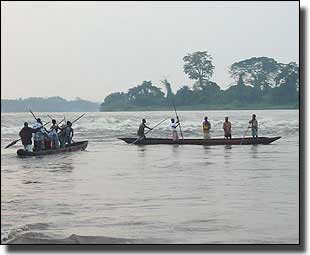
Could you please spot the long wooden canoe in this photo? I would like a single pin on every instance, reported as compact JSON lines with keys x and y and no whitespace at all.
{"x":78,"y":146}
{"x":213,"y":141}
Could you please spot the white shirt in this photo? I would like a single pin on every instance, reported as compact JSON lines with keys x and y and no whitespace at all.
{"x":173,"y":126}
{"x":38,"y":135}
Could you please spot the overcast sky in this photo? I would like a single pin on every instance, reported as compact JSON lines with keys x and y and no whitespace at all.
{"x":91,"y":49}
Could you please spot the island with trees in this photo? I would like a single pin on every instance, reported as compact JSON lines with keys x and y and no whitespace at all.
{"x":259,"y":83}
{"x":50,"y":104}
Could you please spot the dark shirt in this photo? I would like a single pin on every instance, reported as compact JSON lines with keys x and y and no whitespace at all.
{"x":69,"y":131}
{"x":26,"y":135}
{"x":141,"y":129}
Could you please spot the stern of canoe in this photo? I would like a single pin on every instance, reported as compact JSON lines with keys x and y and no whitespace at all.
{"x":72,"y":147}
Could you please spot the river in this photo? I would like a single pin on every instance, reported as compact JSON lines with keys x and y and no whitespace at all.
{"x":156,"y":193}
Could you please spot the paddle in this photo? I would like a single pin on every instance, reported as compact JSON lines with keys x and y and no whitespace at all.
{"x":168,"y":88}
{"x":178,"y":119}
{"x":37,"y":119}
{"x":74,"y":121}
{"x":15,"y":141}
{"x":52,"y":119}
{"x":244,"y":135}
{"x":78,"y":118}
{"x":140,"y":138}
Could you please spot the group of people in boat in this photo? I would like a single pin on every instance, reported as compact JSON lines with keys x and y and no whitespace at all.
{"x":57,"y":137}
{"x":206,"y":127}
{"x":45,"y":139}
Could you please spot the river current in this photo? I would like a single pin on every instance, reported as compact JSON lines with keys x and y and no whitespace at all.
{"x":155,"y":193}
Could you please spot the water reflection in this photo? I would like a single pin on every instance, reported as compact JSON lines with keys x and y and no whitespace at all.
{"x":206,"y":147}
{"x":175,"y":149}
{"x":254,"y":150}
{"x":227,"y":154}
{"x":227,"y":147}
{"x":64,"y":167}
{"x":60,"y":164}
{"x":141,"y":150}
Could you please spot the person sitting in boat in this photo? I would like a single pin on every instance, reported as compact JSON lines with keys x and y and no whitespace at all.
{"x":26,"y":136}
{"x":254,"y":126}
{"x":174,"y":131}
{"x":68,"y":133}
{"x":53,"y":136}
{"x":206,"y":126}
{"x":39,"y":136}
{"x":227,"y":128}
{"x":141,"y":129}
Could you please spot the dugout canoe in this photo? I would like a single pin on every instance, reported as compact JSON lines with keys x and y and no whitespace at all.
{"x":213,"y":141}
{"x":78,"y":146}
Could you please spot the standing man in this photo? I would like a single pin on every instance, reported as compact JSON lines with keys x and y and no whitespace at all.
{"x":174,"y":131}
{"x":68,"y":132}
{"x":39,"y":135}
{"x":142,"y":126}
{"x":254,"y":126}
{"x":206,"y":126}
{"x":62,"y":135}
{"x":53,"y":135}
{"x":26,"y":136}
{"x":227,"y":128}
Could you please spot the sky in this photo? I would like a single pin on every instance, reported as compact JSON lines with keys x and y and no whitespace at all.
{"x":91,"y":49}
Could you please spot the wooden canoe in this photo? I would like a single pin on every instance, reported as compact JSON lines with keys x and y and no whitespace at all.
{"x":78,"y":146}
{"x":213,"y":141}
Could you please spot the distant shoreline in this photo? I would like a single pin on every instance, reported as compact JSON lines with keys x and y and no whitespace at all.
{"x":204,"y":108}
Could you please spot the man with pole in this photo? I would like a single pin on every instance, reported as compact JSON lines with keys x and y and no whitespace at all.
{"x":174,"y":125}
{"x":39,"y":135}
{"x":141,"y":129}
{"x":150,"y":129}
{"x":26,"y":136}
{"x":170,"y":95}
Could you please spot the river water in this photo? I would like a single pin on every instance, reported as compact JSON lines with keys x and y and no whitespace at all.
{"x":155,"y":193}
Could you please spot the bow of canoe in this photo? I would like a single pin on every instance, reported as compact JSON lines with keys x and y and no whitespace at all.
{"x":213,"y":141}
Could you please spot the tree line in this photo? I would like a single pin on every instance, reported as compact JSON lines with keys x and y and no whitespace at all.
{"x":257,"y":81}
{"x":51,"y":104}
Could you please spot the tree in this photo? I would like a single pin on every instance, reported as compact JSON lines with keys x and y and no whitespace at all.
{"x":184,"y":96}
{"x":289,"y":76}
{"x":169,"y":92}
{"x":241,"y":95}
{"x":287,"y":85}
{"x":145,"y":94}
{"x":206,"y":93}
{"x":257,"y":72}
{"x":198,"y":66}
{"x":116,"y":98}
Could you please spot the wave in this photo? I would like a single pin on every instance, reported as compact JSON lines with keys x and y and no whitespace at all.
{"x":38,"y":238}
{"x":10,"y":234}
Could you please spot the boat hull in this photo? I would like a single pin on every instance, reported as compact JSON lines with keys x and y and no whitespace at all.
{"x":214,"y":141}
{"x":78,"y":146}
